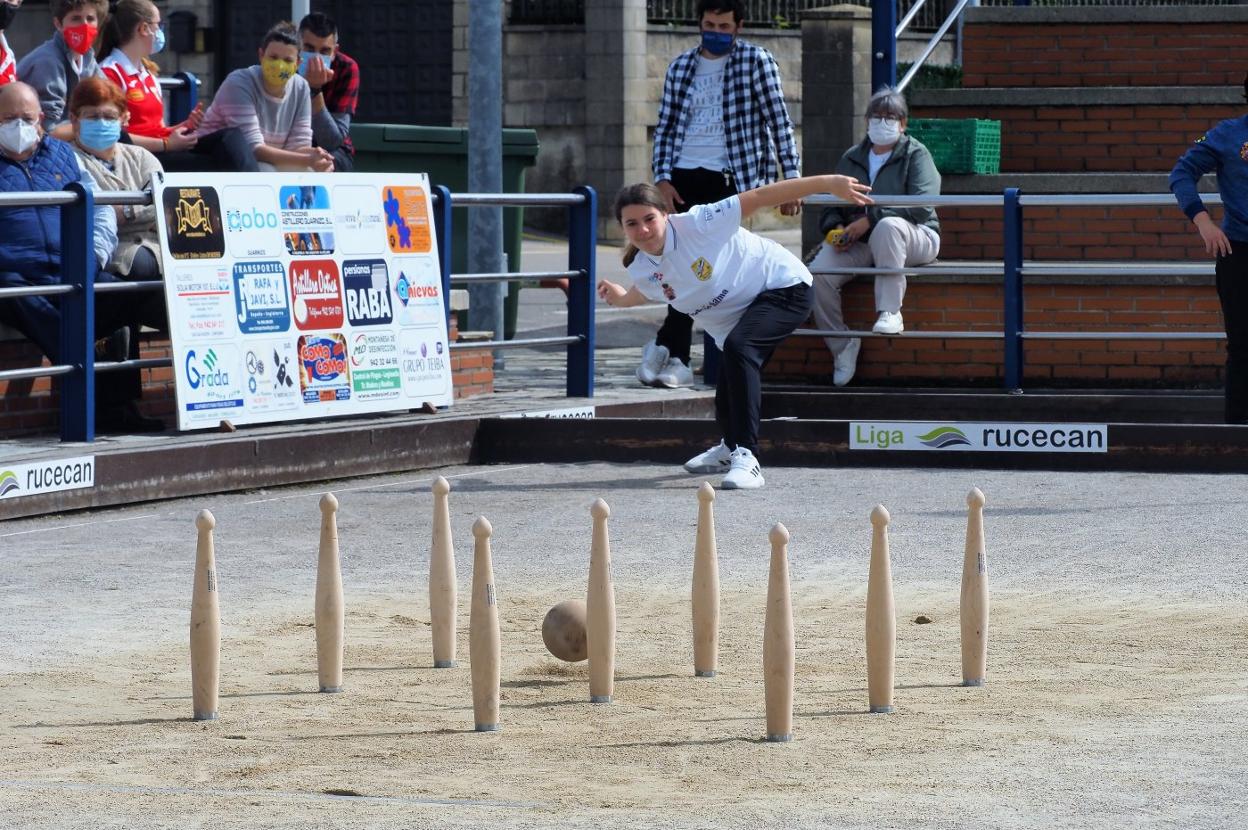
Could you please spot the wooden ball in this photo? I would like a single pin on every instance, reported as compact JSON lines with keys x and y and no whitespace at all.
{"x":563,"y":631}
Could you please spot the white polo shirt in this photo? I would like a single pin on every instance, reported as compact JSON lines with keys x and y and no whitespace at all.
{"x":712,"y":268}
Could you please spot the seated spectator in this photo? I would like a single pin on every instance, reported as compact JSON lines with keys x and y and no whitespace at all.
{"x":131,"y":36}
{"x":56,"y":66}
{"x":97,"y":112}
{"x":894,"y":164}
{"x":334,"y":81}
{"x":271,"y":106}
{"x":32,"y":162}
{"x":8,"y":63}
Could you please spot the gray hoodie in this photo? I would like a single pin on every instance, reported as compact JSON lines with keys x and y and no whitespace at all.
{"x":49,"y":68}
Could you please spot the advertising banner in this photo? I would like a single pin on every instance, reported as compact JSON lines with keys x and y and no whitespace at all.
{"x":977,"y":437}
{"x":301,"y":295}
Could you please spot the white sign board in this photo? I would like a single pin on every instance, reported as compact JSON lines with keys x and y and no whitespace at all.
{"x":978,"y":437}
{"x":39,"y":477}
{"x":301,"y":295}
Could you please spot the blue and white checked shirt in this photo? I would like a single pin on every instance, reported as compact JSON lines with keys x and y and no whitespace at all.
{"x":755,"y":117}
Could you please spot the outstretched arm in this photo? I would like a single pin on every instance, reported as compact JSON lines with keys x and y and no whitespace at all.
{"x":791,"y":190}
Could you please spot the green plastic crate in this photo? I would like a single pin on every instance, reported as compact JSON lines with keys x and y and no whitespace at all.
{"x":960,"y":145}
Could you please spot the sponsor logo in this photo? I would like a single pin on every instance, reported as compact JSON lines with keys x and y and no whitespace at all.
{"x":323,"y":372}
{"x":719,"y":298}
{"x":206,"y":372}
{"x":19,"y":480}
{"x":408,"y":229}
{"x":979,"y":437}
{"x":701,"y":269}
{"x":307,"y":223}
{"x":570,"y":412}
{"x":238,"y":220}
{"x":367,"y":286}
{"x":193,"y":218}
{"x":943,"y":437}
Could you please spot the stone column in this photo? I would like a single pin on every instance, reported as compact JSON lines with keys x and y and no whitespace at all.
{"x":836,"y":85}
{"x":617,"y":150}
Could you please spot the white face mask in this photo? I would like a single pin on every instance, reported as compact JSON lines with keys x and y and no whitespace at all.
{"x":17,"y":137}
{"x":883,"y":131}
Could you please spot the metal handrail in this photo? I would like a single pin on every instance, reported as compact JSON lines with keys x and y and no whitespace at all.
{"x":1038,"y":200}
{"x":517,"y":199}
{"x":910,"y":15}
{"x":38,"y":372}
{"x":506,"y":276}
{"x":931,"y":44}
{"x":532,"y":342}
{"x":36,"y":290}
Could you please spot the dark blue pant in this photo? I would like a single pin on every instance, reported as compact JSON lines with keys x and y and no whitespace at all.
{"x":1232,"y":276}
{"x":766,"y":323}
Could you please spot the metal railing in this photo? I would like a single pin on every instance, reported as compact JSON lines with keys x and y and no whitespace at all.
{"x":885,"y":29}
{"x":1013,"y":269}
{"x":78,"y":290}
{"x":181,"y":93}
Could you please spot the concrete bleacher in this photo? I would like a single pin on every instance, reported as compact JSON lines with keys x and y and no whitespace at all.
{"x":1091,"y":100}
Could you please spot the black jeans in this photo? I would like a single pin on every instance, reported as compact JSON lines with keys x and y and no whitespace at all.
{"x":697,"y":187}
{"x":1232,"y":276}
{"x":225,"y":151}
{"x":739,"y":396}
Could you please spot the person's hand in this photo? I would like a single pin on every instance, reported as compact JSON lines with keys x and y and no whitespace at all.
{"x":1216,"y":243}
{"x":670,"y":195}
{"x":180,"y":139}
{"x":791,"y":208}
{"x":318,"y":76}
{"x":850,"y":189}
{"x":192,"y":122}
{"x":854,"y":231}
{"x":610,"y":292}
{"x":319,"y":160}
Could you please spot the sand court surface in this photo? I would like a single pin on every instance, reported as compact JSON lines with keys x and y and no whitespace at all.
{"x":1117,"y":677}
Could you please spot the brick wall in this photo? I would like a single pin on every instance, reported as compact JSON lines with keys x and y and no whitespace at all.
{"x":969,"y":306}
{"x":1103,"y":54}
{"x":1075,"y":139}
{"x":1076,"y":233}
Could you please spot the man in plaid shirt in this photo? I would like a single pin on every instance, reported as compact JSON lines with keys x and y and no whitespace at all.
{"x":723,"y":127}
{"x":334,"y":80}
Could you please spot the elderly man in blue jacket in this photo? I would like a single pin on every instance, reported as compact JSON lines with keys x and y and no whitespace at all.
{"x":30,"y":252}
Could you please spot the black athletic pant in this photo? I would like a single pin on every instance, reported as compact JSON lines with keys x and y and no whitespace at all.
{"x":739,"y":395}
{"x":697,"y":187}
{"x":225,"y":151}
{"x":1232,"y":277}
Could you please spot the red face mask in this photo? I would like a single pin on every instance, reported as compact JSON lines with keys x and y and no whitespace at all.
{"x":79,"y":38}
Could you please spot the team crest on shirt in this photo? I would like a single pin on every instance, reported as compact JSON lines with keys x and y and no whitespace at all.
{"x":135,"y":94}
{"x":668,"y":292}
{"x":657,"y":276}
{"x":701,"y":269}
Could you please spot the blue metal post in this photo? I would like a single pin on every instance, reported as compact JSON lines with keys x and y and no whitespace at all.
{"x":1013,"y":315}
{"x":582,"y":256}
{"x":184,"y":98}
{"x":442,"y":229}
{"x":883,"y":43}
{"x":78,"y":267}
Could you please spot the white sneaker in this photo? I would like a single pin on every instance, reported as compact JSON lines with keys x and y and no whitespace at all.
{"x":889,"y":323}
{"x":675,"y":374}
{"x":745,"y":474}
{"x":845,"y":363}
{"x":653,"y":359}
{"x":715,"y":460}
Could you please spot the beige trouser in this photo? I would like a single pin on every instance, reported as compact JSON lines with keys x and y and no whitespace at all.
{"x":894,"y":242}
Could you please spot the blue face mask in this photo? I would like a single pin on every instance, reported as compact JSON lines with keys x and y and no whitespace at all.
{"x":158,"y":40}
{"x":717,"y":43}
{"x":98,"y":133}
{"x":304,"y":57}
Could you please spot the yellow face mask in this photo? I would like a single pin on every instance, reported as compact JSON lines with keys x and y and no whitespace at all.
{"x":276,"y":71}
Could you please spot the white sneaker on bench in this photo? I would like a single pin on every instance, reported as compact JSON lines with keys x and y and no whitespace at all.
{"x":889,"y":323}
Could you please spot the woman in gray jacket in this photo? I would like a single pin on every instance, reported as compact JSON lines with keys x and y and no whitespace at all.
{"x":894,"y":164}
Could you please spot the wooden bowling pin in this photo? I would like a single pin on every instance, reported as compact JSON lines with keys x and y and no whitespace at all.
{"x":205,"y":624}
{"x":881,"y":617}
{"x":329,"y":605}
{"x":778,"y":648}
{"x":484,"y":646}
{"x":974,"y":602}
{"x":705,"y":588}
{"x":600,"y":609}
{"x":442,"y":597}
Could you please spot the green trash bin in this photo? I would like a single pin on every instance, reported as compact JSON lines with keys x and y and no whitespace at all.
{"x":442,"y":152}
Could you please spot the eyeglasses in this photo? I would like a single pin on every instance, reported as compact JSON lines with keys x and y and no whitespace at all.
{"x":885,"y":120}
